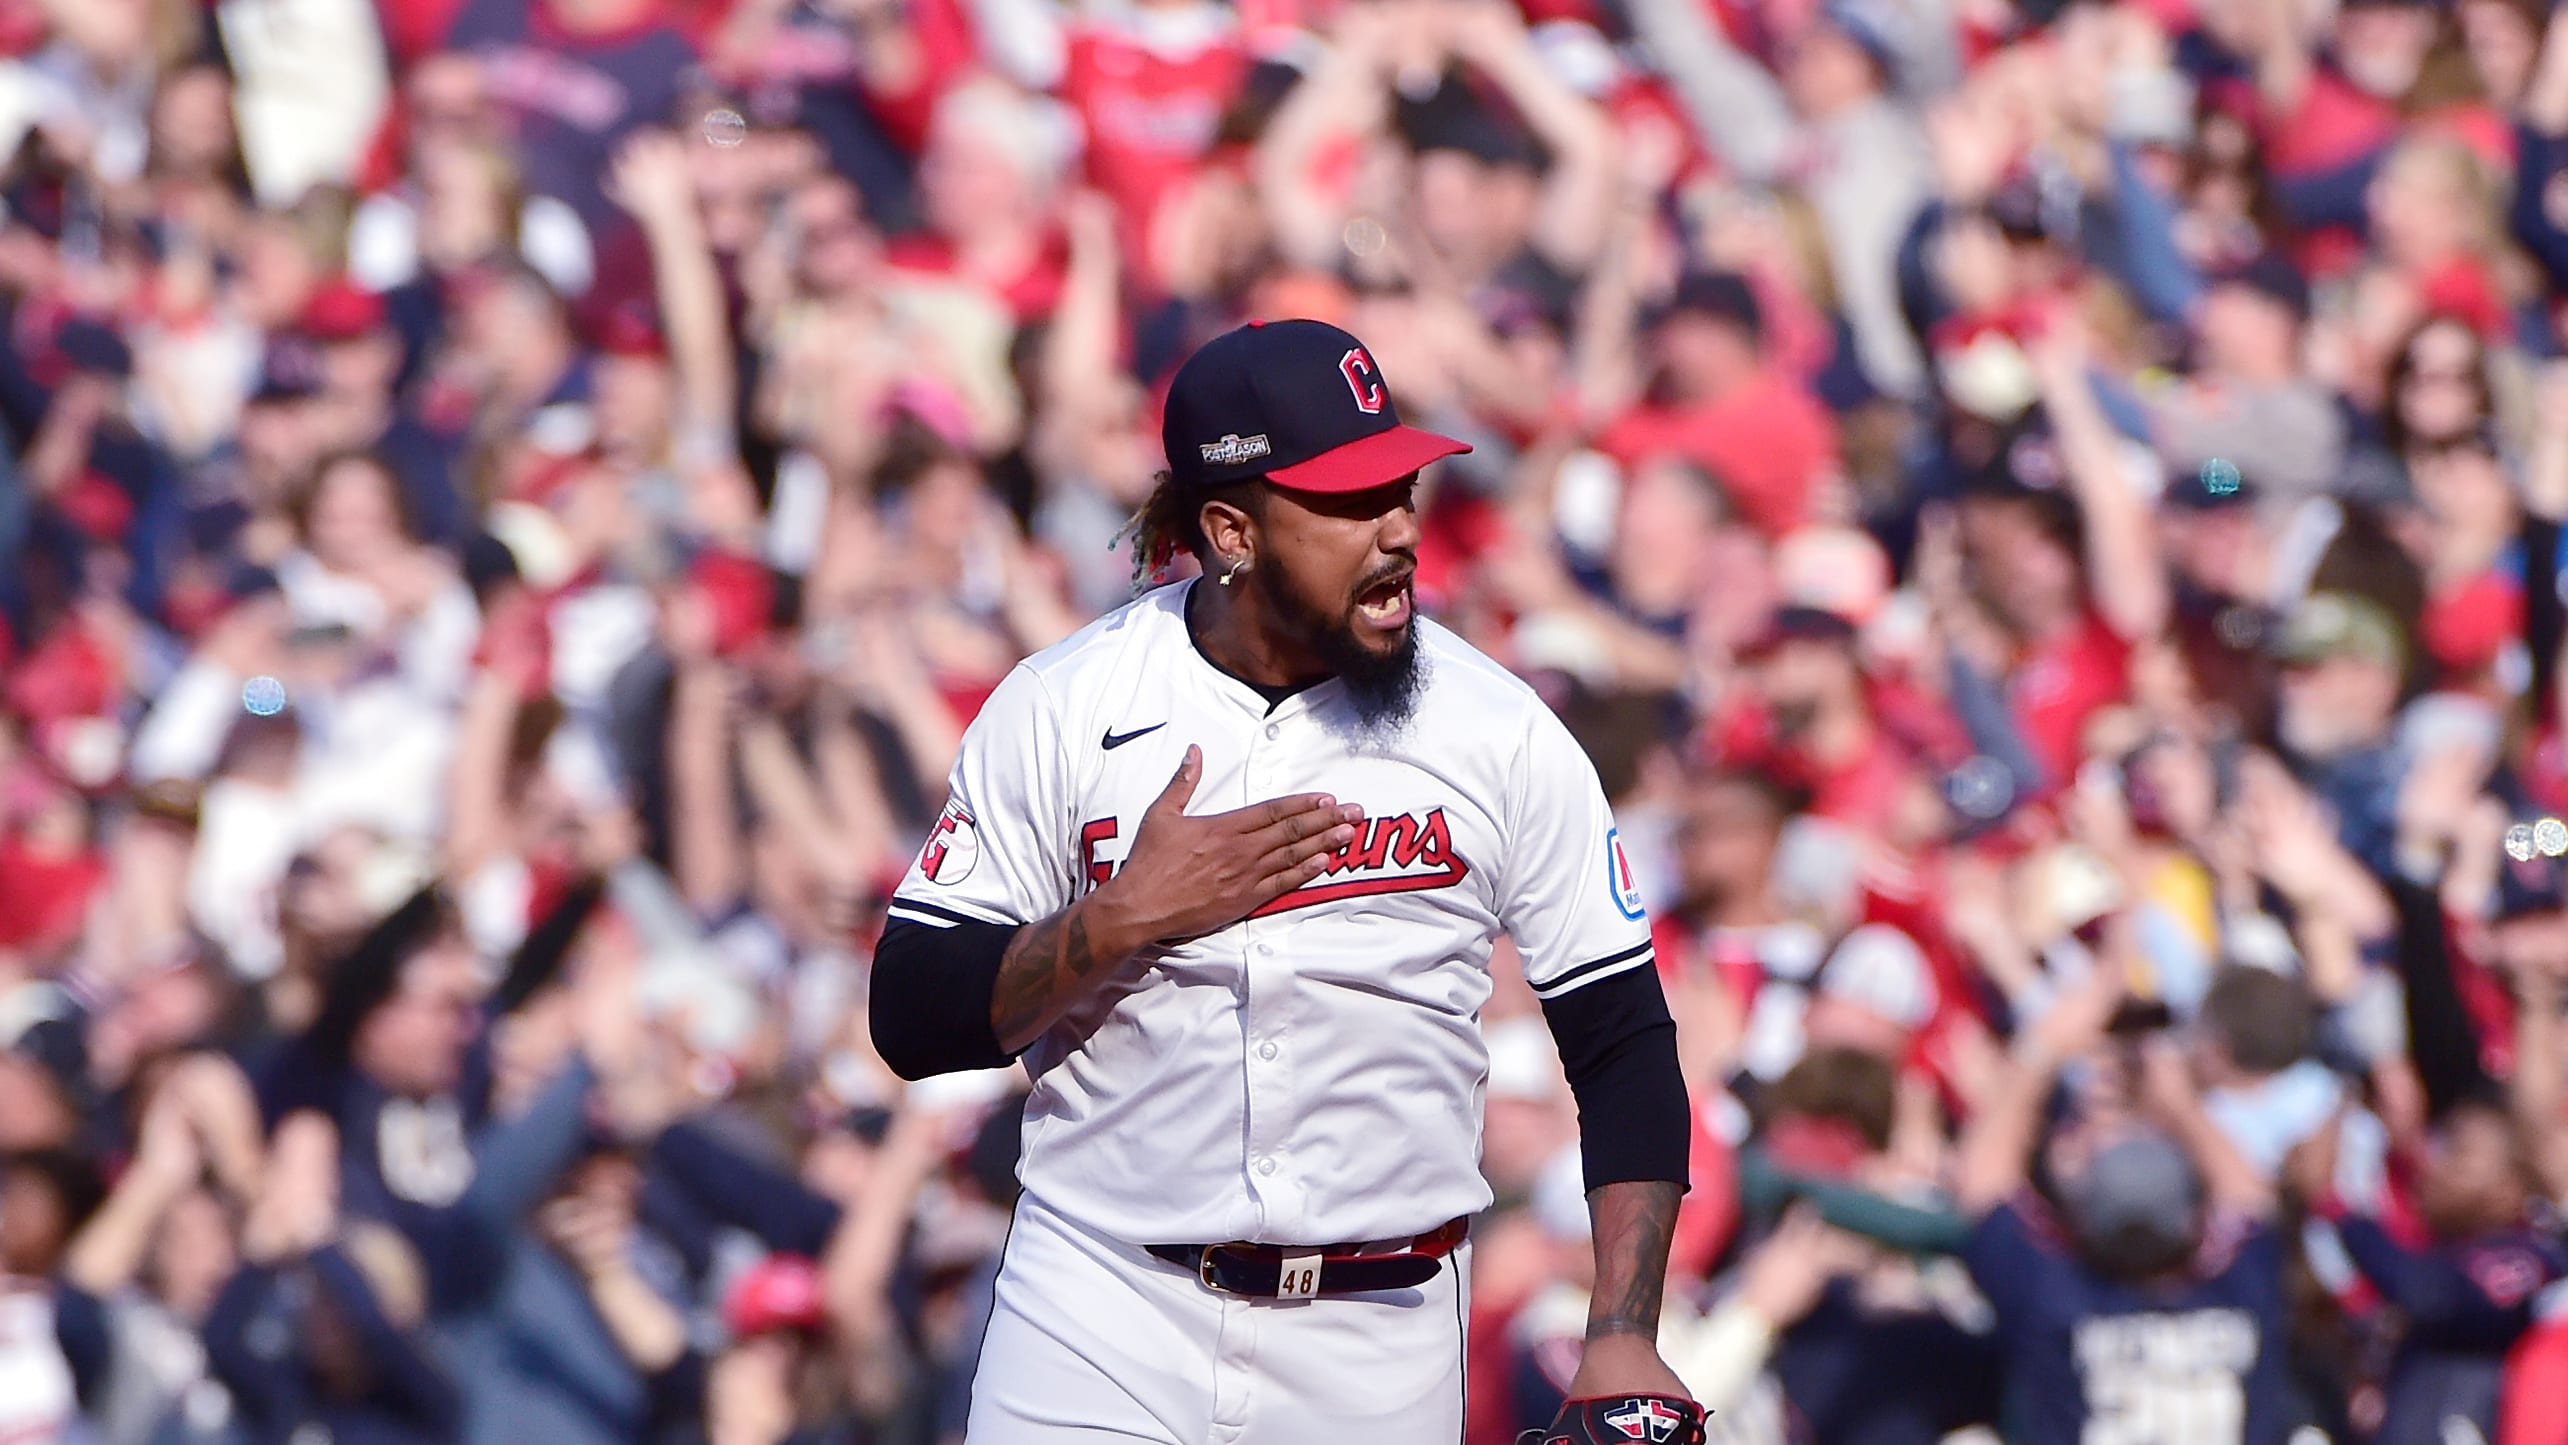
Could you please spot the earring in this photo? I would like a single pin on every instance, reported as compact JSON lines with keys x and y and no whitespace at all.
{"x":1237,"y":566}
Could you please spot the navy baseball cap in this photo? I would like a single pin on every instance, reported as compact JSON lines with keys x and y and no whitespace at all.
{"x":1299,"y":403}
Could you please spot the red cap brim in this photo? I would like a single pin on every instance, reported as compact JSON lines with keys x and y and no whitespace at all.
{"x":1375,"y":461}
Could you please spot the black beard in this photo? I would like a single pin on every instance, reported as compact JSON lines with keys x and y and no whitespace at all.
{"x":1381,"y":687}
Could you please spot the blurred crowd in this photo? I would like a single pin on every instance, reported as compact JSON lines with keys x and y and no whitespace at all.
{"x":2045,"y":513}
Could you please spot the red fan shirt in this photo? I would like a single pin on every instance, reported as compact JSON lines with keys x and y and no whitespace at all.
{"x":1149,"y":106}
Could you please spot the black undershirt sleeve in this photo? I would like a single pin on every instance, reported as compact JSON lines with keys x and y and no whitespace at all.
{"x":930,"y":1009}
{"x":1618,"y":1046}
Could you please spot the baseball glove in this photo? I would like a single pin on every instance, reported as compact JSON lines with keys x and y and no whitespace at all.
{"x":1622,"y":1420}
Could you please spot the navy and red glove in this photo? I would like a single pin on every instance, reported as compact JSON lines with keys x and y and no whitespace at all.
{"x":1622,"y":1420}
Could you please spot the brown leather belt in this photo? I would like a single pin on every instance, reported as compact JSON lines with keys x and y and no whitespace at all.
{"x":1283,"y":1271}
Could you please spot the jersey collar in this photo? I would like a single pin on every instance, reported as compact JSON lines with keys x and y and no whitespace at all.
{"x":1231,"y":684}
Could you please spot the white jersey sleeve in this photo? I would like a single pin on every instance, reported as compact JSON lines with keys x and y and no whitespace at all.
{"x":1001,"y":851}
{"x":1569,"y":900}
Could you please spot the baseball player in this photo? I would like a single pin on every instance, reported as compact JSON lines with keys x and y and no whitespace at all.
{"x":1225,"y":869}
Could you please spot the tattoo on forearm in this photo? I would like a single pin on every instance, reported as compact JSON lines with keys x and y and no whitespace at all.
{"x":1634,"y":1227}
{"x":1044,"y":961}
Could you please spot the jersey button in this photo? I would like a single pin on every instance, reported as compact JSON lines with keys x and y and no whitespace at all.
{"x":1266,"y":1166}
{"x":1266,"y":950}
{"x":1267,"y":1049}
{"x":1271,"y":731}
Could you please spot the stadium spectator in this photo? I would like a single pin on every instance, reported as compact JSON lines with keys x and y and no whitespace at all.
{"x":2143,"y":1289}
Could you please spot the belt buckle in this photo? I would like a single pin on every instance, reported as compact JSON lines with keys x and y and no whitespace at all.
{"x":1204,"y":1268}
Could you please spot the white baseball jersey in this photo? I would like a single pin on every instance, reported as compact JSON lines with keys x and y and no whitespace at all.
{"x":1312,"y":1074}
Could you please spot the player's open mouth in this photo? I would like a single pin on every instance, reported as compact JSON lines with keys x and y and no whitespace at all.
{"x":1385,"y":604}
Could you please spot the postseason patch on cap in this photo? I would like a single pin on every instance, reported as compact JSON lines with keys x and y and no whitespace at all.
{"x":1233,"y":449}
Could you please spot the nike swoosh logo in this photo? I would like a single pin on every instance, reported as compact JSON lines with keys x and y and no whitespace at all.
{"x":1114,"y":740}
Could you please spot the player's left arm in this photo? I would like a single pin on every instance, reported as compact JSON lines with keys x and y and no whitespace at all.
{"x":1634,"y":1220}
{"x":1566,"y":897}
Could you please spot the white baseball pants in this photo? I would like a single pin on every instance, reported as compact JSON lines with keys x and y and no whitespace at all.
{"x":1093,"y":1342}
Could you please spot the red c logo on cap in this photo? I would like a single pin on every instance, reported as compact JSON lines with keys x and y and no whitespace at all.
{"x":1363,"y":380}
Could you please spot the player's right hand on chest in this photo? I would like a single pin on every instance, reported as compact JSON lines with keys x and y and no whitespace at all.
{"x":1187,"y":876}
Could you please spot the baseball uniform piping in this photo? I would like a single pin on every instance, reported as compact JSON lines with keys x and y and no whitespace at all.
{"x":1589,"y":972}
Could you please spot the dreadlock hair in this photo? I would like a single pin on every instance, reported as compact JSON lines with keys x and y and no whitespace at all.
{"x":1170,"y":525}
